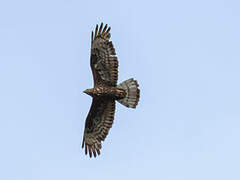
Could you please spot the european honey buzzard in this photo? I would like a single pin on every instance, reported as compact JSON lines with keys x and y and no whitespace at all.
{"x":104,"y":65}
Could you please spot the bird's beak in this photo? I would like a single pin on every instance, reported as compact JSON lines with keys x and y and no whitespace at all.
{"x":86,"y":91}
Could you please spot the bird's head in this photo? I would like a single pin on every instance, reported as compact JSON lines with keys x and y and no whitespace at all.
{"x":89,"y":91}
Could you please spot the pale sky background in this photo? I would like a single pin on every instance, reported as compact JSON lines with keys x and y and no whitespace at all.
{"x":186,"y":58}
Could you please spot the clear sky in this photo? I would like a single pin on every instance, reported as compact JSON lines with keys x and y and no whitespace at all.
{"x":186,"y":58}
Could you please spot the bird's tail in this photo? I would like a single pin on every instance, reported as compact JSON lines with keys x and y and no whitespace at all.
{"x":133,"y":93}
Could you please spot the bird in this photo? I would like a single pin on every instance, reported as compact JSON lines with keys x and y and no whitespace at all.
{"x":104,"y":66}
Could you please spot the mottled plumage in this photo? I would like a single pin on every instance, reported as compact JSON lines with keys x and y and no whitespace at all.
{"x":104,"y":65}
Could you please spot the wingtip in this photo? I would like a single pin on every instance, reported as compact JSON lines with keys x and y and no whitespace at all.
{"x":105,"y":28}
{"x":85,"y":149}
{"x":100,"y":29}
{"x":92,"y":36}
{"x":94,"y":153}
{"x":98,"y":152}
{"x":90,"y":151}
{"x":96,"y":30}
{"x":108,"y":30}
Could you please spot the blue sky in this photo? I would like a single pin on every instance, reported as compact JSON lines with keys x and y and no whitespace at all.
{"x":185,"y":56}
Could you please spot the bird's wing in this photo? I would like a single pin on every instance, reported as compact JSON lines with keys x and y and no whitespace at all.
{"x":104,"y":63}
{"x":99,"y":121}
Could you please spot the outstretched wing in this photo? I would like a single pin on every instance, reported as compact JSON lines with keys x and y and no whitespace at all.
{"x":104,"y":63}
{"x":99,"y":121}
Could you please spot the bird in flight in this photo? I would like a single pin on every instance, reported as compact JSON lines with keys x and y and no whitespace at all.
{"x":106,"y":91}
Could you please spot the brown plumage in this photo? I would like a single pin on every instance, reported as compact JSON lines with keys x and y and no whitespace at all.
{"x":104,"y":65}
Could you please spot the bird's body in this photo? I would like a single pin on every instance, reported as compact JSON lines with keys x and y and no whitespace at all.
{"x":108,"y":92}
{"x":104,"y":65}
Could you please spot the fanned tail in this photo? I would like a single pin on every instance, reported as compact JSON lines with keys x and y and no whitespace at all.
{"x":133,"y":93}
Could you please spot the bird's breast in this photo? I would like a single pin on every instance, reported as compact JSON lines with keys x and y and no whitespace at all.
{"x":112,"y":92}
